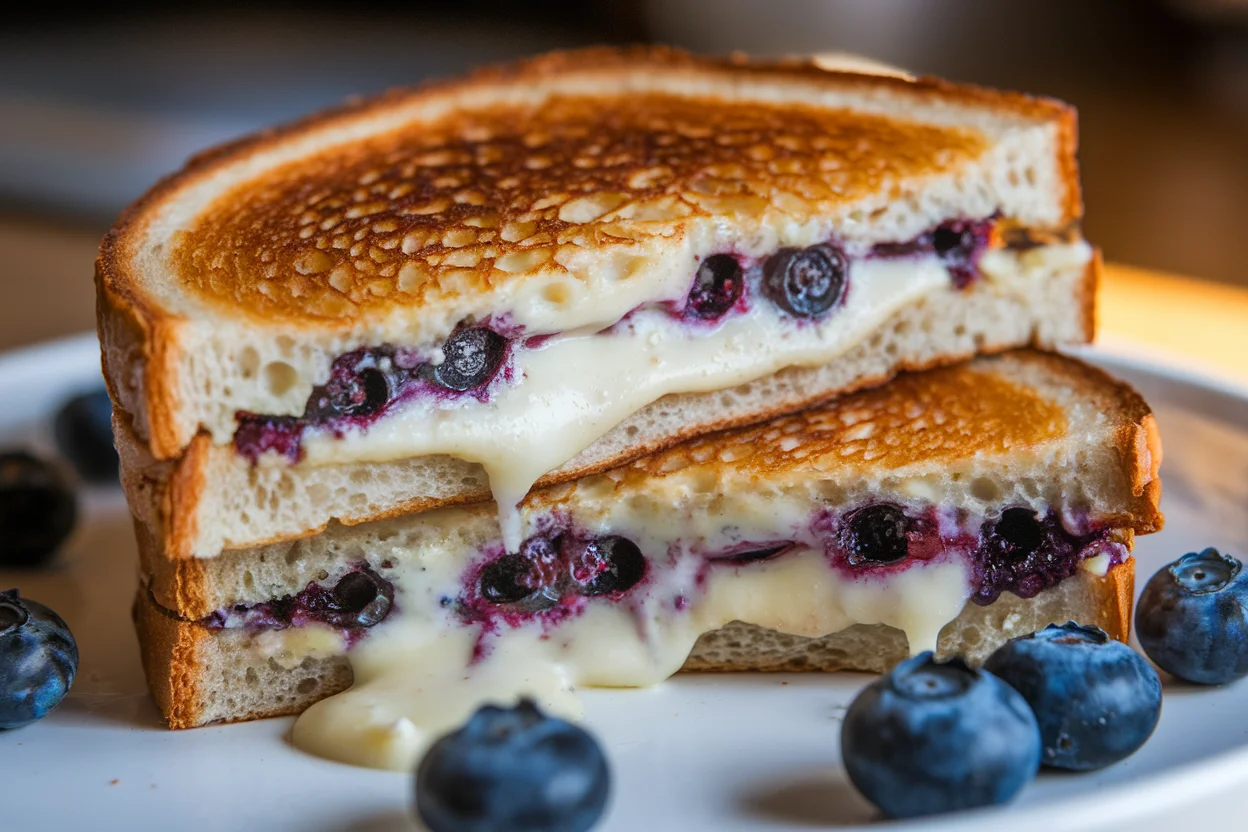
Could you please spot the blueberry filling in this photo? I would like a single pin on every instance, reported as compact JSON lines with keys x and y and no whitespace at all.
{"x":875,"y":535}
{"x":1025,"y":554}
{"x":358,"y":600}
{"x":717,"y":286}
{"x":806,"y":282}
{"x":958,"y":244}
{"x":471,"y":358}
{"x":606,"y":565}
{"x":548,"y":569}
{"x":365,"y":382}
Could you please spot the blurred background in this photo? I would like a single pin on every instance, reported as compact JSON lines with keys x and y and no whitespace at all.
{"x":96,"y":105}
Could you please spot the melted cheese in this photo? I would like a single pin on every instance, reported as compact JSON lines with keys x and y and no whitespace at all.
{"x":579,"y":386}
{"x":415,"y":677}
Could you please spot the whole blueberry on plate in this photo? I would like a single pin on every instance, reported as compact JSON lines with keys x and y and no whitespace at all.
{"x":1096,"y":700}
{"x":513,"y":769}
{"x":38,"y":660}
{"x":933,"y":737}
{"x":1192,"y":618}
{"x":84,"y":434}
{"x":37,"y":509}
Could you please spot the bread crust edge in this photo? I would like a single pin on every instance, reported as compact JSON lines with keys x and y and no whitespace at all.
{"x":129,"y":319}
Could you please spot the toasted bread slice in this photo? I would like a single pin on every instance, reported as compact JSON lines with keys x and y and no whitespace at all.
{"x":1024,"y":428}
{"x":210,"y":498}
{"x":752,"y":549}
{"x":566,"y":205}
{"x":200,"y":675}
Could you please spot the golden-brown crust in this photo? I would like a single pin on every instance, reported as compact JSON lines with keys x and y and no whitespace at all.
{"x":170,"y":650}
{"x":1119,"y":597}
{"x":135,"y":324}
{"x":477,"y":201}
{"x":176,"y":654}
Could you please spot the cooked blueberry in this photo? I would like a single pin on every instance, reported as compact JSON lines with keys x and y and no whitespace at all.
{"x":38,"y":660}
{"x":361,"y":598}
{"x":84,"y":434}
{"x":258,"y":434}
{"x":1192,"y":618}
{"x":1025,"y":554}
{"x":507,"y":579}
{"x":716,"y":287}
{"x":363,"y":392}
{"x":806,"y":282}
{"x":934,"y":737}
{"x":954,"y":241}
{"x":1096,"y":700}
{"x":1016,"y":536}
{"x":605,"y":565}
{"x":958,"y":244}
{"x":471,"y":357}
{"x":875,"y":535}
{"x":37,"y":509}
{"x":513,"y":769}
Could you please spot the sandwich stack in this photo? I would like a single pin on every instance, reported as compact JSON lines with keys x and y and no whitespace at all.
{"x":585,"y":370}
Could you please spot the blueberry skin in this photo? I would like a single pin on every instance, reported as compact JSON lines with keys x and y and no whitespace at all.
{"x":38,"y":509}
{"x":1192,"y":618}
{"x":932,"y":737}
{"x":38,"y":660}
{"x":1096,"y":700}
{"x":84,"y":434}
{"x":513,"y":769}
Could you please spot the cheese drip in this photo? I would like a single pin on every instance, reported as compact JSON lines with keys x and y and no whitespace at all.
{"x":416,"y":678}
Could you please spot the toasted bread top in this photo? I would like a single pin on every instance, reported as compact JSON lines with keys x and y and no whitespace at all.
{"x":475,"y":200}
{"x":437,"y":196}
{"x":1008,"y":409}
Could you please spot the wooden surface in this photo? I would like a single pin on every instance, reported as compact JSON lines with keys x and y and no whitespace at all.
{"x":45,"y":275}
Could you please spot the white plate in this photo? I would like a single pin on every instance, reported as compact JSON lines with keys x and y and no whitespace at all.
{"x":712,"y":752}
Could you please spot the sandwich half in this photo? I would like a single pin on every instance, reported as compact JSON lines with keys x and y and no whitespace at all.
{"x":543,"y":271}
{"x":950,"y":509}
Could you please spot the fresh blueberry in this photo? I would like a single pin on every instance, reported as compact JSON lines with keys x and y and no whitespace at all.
{"x":84,"y":433}
{"x":38,"y":660}
{"x":1096,"y":700}
{"x":806,"y":282}
{"x":471,"y":357}
{"x":37,"y":509}
{"x":513,"y":769}
{"x":1192,"y":618}
{"x":934,"y":737}
{"x":606,"y":565}
{"x":716,"y":288}
{"x":874,"y":535}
